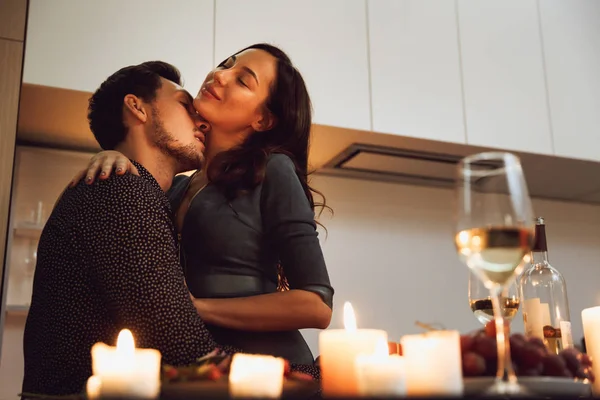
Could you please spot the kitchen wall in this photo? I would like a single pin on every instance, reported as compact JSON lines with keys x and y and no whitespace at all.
{"x":389,"y":251}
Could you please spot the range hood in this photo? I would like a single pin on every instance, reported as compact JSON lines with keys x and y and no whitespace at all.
{"x":56,"y":117}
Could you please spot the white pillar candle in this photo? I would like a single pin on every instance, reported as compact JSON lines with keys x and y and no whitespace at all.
{"x":256,"y":376}
{"x":590,"y":317}
{"x":124,"y":371}
{"x":433,"y":364}
{"x":92,"y":388}
{"x":338,"y":351}
{"x":381,"y":374}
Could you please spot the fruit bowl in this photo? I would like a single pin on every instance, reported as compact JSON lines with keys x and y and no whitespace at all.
{"x":530,"y":357}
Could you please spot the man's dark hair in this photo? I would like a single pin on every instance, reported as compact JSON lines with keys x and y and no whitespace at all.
{"x":105,"y":109}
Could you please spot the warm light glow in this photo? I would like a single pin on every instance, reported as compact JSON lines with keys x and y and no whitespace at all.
{"x":349,"y":318}
{"x":254,"y":375}
{"x":382,"y":349}
{"x":463,"y":238}
{"x":125,"y":343}
{"x":93,"y":387}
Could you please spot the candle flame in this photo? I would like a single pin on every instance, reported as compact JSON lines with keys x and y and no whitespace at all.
{"x":125,"y":343}
{"x":349,"y":318}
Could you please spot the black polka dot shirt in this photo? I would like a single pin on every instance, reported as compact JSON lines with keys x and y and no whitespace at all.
{"x":108,"y":260}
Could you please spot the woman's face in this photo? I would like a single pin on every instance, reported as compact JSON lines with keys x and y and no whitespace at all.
{"x":233,"y":96}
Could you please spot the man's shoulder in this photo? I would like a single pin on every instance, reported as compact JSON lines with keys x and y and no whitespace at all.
{"x":129,"y":191}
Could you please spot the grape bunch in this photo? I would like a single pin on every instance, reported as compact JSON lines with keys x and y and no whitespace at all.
{"x":530,"y":357}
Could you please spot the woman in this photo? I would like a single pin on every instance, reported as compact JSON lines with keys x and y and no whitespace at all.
{"x":250,"y":250}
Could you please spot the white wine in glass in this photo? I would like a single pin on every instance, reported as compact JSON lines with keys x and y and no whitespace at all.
{"x":481,"y":302}
{"x":494,"y":232}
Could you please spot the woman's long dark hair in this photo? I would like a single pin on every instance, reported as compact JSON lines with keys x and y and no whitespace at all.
{"x":241,"y":169}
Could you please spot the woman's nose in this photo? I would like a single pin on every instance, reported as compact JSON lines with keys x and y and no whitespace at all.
{"x":221,"y":77}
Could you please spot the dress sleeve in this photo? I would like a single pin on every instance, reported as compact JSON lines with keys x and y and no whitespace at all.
{"x":290,"y":227}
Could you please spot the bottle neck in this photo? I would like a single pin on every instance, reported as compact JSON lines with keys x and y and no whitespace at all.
{"x":539,"y":250}
{"x":539,"y":257}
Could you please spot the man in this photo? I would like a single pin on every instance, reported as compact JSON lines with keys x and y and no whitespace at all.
{"x":108,"y":256}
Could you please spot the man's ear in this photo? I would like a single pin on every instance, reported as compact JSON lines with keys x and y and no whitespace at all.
{"x":136,"y":108}
{"x":265,"y":123}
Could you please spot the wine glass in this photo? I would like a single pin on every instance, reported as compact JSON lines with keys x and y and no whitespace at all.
{"x":494,"y":231}
{"x":481,"y":302}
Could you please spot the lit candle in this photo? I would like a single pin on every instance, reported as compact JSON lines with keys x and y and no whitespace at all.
{"x":124,"y":371}
{"x":339,"y":349}
{"x":590,"y":317}
{"x":253,"y":375}
{"x":433,"y":364}
{"x":93,"y":387}
{"x":381,"y":374}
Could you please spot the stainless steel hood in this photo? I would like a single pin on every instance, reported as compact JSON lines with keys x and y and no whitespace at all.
{"x":55,"y":117}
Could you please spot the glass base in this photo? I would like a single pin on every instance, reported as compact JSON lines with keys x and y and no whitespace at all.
{"x":507,"y":389}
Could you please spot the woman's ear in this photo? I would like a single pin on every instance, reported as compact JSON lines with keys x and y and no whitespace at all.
{"x":135,"y":107}
{"x":265,"y":123}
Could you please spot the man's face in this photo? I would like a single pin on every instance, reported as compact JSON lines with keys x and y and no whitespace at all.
{"x":175,"y":127}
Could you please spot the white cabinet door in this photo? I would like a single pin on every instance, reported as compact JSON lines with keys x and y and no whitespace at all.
{"x":505,"y":95}
{"x":76,"y":44}
{"x":326,"y":40}
{"x":571,"y":36}
{"x":415,"y":69}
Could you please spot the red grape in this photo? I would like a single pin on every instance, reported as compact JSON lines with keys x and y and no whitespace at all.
{"x":554,"y":365}
{"x":473,"y":364}
{"x":584,"y":359}
{"x":539,"y":343}
{"x":531,"y":356}
{"x":486,"y":347}
{"x":466,"y":343}
{"x":571,"y":358}
{"x":517,"y":344}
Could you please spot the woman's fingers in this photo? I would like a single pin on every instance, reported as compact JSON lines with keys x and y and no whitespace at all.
{"x":79,"y":176}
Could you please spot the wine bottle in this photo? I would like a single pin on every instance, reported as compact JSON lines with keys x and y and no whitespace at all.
{"x":543,"y":293}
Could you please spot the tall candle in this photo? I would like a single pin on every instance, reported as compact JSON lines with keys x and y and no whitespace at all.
{"x":381,"y":374}
{"x":433,"y":364}
{"x":256,"y":376}
{"x":338,"y":351}
{"x":124,"y":371}
{"x":590,"y":317}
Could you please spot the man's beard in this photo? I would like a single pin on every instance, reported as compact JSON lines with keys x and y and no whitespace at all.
{"x":187,"y":156}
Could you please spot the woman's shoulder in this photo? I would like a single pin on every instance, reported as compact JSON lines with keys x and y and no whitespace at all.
{"x":279,"y":164}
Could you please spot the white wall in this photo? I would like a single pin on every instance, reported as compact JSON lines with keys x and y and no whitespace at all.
{"x":389,"y":251}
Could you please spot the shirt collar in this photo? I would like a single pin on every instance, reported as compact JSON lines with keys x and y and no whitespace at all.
{"x":146,"y":175}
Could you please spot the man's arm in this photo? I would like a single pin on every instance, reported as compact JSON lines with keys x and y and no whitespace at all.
{"x":135,"y":265}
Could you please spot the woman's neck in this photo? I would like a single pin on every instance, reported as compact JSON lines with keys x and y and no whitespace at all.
{"x":218,"y":143}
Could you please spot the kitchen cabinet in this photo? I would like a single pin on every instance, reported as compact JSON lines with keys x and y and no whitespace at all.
{"x":505,"y":95}
{"x":326,"y":40}
{"x":415,"y":69}
{"x":78,"y":44}
{"x":571,"y":40}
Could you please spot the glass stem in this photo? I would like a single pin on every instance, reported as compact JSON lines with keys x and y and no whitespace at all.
{"x":502,"y":340}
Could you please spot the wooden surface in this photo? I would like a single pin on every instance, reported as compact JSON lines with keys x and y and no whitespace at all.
{"x":12,"y":33}
{"x":12,"y":20}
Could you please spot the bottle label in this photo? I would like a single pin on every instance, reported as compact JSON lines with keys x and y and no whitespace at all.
{"x":566,"y":335}
{"x":533,"y":318}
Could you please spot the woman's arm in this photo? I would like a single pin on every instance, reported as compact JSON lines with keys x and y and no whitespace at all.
{"x":290,"y":231}
{"x":280,"y":311}
{"x":102,"y":164}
